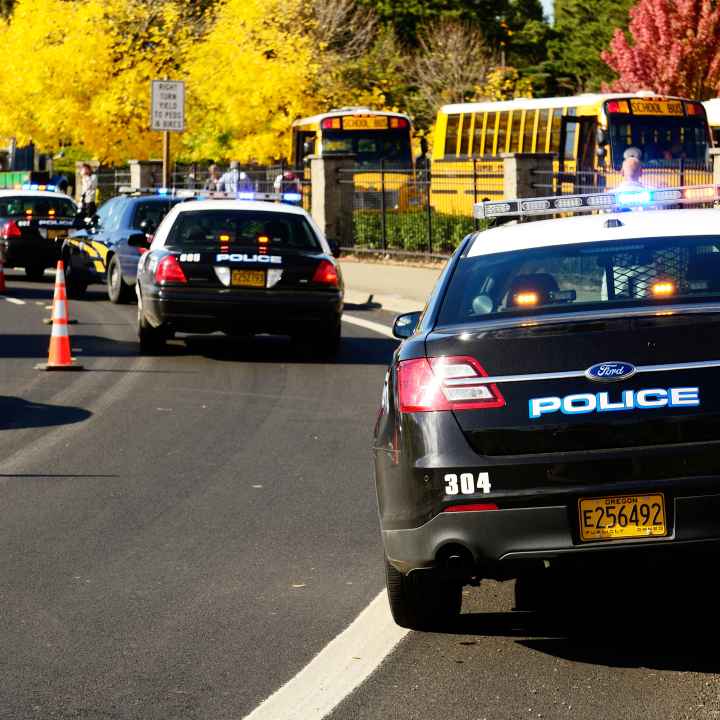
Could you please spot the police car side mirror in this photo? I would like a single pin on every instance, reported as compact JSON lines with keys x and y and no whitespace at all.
{"x":405,"y":324}
{"x":335,"y":248}
{"x":139,"y":240}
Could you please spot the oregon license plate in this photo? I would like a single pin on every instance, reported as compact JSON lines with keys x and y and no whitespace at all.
{"x":53,"y":233}
{"x":624,"y":516}
{"x":248,"y":278}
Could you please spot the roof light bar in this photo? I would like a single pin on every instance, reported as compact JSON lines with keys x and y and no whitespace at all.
{"x":288,"y":197}
{"x":36,"y":186}
{"x":648,"y":198}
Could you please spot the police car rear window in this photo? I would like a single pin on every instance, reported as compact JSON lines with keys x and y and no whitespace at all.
{"x":23,"y":205}
{"x":211,"y":229}
{"x":583,"y":277}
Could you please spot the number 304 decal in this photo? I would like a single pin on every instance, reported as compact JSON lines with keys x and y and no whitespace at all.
{"x":466,"y":484}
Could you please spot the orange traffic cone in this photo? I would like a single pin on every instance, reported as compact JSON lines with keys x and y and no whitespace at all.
{"x":50,"y":320}
{"x":59,"y":357}
{"x":2,"y":278}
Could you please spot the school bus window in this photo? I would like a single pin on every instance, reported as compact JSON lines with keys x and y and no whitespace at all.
{"x":541,"y":138}
{"x":480,"y":120}
{"x":529,"y":131}
{"x":470,"y":149}
{"x":490,"y":133}
{"x":465,"y":137}
{"x":451,"y":136}
{"x":555,"y":132}
{"x":512,"y":131}
{"x":501,"y":132}
{"x":569,"y":149}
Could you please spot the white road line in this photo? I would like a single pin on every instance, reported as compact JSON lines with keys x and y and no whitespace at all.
{"x":341,"y":666}
{"x":369,"y":325}
{"x":14,"y":301}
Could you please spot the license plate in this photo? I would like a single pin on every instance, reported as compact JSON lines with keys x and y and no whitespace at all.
{"x":625,"y":516}
{"x":248,"y":278}
{"x":53,"y":233}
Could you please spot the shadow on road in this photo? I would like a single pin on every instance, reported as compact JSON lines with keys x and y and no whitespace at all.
{"x":662,"y":616}
{"x":16,"y":413}
{"x":269,"y":349}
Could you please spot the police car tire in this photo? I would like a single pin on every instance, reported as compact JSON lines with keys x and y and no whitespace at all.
{"x":327,"y":342}
{"x":151,"y":339}
{"x":422,"y":600}
{"x":74,"y":287}
{"x":35,"y":272}
{"x":117,"y":289}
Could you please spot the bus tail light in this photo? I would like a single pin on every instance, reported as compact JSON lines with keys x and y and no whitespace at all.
{"x":445,"y":383}
{"x":168,"y":271}
{"x":399,"y":122}
{"x":331,"y":124}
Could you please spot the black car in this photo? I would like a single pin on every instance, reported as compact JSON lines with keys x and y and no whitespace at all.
{"x":33,"y":227}
{"x":239,"y":267}
{"x":100,"y":252}
{"x":556,"y":404}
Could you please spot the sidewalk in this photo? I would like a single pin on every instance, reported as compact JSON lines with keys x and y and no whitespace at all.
{"x":398,"y":288}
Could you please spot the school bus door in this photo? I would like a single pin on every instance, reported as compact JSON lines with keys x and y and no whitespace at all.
{"x":577,"y":152}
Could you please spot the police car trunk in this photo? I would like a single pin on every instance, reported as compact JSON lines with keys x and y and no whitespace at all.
{"x":582,"y":357}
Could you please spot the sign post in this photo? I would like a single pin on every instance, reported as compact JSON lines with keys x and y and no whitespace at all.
{"x":168,"y":115}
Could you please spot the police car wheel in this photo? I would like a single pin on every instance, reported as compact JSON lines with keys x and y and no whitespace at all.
{"x":117,"y":289}
{"x":327,"y":341}
{"x":35,"y":272}
{"x":151,"y":339}
{"x":75,"y":286}
{"x":423,"y":600}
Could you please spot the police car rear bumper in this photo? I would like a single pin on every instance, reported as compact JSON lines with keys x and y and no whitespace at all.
{"x":275,"y":311}
{"x":535,"y":533}
{"x":26,"y":251}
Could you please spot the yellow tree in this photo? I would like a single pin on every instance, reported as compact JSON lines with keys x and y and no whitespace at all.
{"x":253,"y":74}
{"x":78,"y":72}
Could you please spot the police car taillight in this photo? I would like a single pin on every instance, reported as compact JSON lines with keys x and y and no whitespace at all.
{"x":169,"y":271}
{"x":446,"y":383}
{"x":10,"y":230}
{"x":326,"y":274}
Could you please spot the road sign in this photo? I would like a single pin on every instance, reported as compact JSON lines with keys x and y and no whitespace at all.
{"x":168,"y":105}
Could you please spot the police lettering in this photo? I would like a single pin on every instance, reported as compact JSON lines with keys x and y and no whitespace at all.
{"x":243,"y":258}
{"x":584,"y":403}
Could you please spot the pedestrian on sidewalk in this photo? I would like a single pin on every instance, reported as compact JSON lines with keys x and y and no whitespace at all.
{"x":213,"y":181}
{"x":88,"y":191}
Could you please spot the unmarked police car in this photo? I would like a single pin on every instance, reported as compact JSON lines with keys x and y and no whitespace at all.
{"x":241,"y":267}
{"x":556,"y":401}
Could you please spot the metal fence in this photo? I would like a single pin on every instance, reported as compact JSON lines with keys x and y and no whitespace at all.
{"x":418,"y":211}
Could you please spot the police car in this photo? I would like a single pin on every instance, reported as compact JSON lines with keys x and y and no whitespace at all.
{"x":557,"y":401}
{"x":239,"y":266}
{"x":101,"y":253}
{"x":34,"y":222}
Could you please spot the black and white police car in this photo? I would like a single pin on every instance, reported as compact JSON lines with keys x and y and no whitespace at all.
{"x":557,"y":401}
{"x":240,"y":266}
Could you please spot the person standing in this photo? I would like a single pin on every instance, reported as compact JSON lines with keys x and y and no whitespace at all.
{"x":213,"y":181}
{"x":88,"y":191}
{"x":230,"y":180}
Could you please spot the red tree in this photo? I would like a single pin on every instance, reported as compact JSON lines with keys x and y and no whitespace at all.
{"x":675,"y":49}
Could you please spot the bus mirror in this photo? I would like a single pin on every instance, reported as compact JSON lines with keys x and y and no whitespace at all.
{"x":601,"y":153}
{"x":307,"y":150}
{"x":601,"y":137}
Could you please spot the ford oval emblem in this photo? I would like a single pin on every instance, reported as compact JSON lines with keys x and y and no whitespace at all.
{"x":610,"y":371}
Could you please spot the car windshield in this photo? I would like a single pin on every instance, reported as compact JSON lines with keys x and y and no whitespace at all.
{"x":17,"y":206}
{"x":211,"y":229}
{"x":588,"y":276}
{"x":148,"y":214}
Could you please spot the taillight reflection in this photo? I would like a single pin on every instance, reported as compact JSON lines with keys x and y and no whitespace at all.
{"x":446,"y":383}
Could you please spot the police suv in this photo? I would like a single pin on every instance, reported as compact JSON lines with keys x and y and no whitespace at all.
{"x":34,"y":222}
{"x":239,"y":266}
{"x":556,"y":401}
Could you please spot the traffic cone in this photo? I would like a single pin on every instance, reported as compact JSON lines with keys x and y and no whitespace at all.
{"x":59,"y":357}
{"x":49,"y":321}
{"x":2,"y":278}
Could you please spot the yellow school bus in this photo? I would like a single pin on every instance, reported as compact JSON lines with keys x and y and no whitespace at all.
{"x":377,"y":140}
{"x":712,"y":109}
{"x":587,"y":135}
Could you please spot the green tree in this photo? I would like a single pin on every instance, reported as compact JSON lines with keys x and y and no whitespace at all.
{"x":582,"y":31}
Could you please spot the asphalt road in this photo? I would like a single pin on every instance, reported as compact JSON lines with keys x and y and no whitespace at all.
{"x":181,"y":535}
